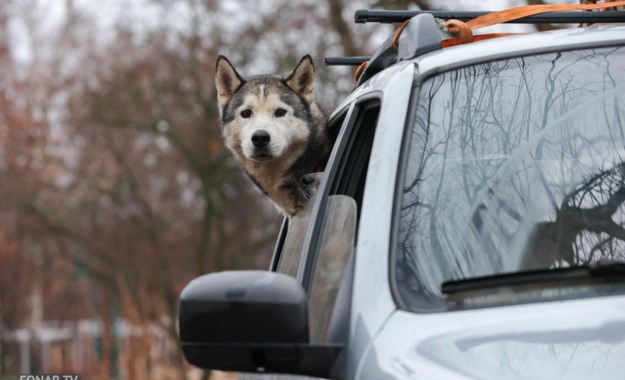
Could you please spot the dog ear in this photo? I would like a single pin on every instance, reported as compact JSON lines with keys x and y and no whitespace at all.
{"x":227,"y":80}
{"x":302,"y":79}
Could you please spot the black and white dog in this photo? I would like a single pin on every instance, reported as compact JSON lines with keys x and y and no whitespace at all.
{"x":275,"y":130}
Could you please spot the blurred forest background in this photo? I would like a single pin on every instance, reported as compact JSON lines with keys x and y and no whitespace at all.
{"x":115,"y":189}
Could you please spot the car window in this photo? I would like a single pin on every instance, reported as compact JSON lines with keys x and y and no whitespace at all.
{"x":288,"y":251}
{"x":328,"y":254}
{"x":352,"y":169}
{"x":338,"y":231}
{"x":334,"y":234}
{"x":513,"y":166}
{"x":347,"y":174}
{"x":330,"y":251}
{"x":294,"y":241}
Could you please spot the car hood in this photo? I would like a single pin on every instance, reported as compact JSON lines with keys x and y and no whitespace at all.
{"x":580,"y":339}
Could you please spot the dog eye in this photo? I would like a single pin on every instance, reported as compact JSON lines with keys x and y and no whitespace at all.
{"x":246,"y":114}
{"x":280,"y":112}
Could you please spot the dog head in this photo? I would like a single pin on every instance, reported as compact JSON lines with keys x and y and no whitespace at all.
{"x":264,"y":117}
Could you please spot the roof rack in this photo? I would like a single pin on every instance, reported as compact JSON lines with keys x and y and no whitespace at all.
{"x":573,"y":17}
{"x":421,"y":36}
{"x":422,"y":33}
{"x":346,"y":61}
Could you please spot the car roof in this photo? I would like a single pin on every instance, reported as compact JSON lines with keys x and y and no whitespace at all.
{"x":442,"y":60}
{"x":520,"y":45}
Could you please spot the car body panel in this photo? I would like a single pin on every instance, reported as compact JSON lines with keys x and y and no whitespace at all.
{"x":426,"y":346}
{"x":519,"y":45}
{"x":575,"y":339}
{"x":372,"y":301}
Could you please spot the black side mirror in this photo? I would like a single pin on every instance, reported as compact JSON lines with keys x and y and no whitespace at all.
{"x":250,"y":321}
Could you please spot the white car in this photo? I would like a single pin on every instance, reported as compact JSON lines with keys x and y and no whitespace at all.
{"x":470,"y":224}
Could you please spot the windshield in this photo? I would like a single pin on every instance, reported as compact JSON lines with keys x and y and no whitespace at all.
{"x":513,"y":165}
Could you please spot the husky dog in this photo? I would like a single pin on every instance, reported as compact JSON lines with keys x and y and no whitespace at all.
{"x":275,"y":130}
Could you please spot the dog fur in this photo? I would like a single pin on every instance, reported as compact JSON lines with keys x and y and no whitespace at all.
{"x":275,"y":130}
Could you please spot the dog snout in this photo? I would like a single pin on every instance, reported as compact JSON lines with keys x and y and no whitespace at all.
{"x":261,"y":138}
{"x":308,"y":179}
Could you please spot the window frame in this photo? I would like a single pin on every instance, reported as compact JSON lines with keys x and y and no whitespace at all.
{"x":335,"y":171}
{"x":399,"y":183}
{"x":419,"y":79}
{"x":318,"y":207}
{"x":345,"y":174}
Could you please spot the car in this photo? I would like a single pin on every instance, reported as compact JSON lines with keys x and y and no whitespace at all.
{"x":470,"y":223}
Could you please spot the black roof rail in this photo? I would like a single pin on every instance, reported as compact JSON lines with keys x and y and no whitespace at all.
{"x":423,"y":33}
{"x":385,"y":56}
{"x":571,"y":17}
{"x":420,"y":36}
{"x":346,"y":61}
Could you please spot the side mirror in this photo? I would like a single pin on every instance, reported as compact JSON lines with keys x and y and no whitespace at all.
{"x":250,"y":321}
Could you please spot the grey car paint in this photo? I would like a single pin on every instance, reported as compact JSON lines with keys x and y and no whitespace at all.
{"x":388,"y":343}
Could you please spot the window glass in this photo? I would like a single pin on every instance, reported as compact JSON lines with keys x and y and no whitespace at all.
{"x":292,"y":248}
{"x":338,"y":230}
{"x":337,"y":235}
{"x":289,"y":253}
{"x":515,"y":165}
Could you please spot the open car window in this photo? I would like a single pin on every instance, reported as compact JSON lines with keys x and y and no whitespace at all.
{"x":513,"y":166}
{"x":294,"y":241}
{"x":338,"y":231}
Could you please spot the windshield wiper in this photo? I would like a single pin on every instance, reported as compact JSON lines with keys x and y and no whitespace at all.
{"x":603,"y":269}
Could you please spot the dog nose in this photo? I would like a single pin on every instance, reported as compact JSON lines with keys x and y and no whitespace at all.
{"x":260,"y":138}
{"x":307,"y":179}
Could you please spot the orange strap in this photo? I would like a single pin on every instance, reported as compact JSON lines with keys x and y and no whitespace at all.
{"x":465,"y":29}
{"x":395,"y":41}
{"x":457,"y":41}
{"x":360,"y":69}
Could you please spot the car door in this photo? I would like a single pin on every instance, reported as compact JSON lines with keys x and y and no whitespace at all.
{"x":317,"y":246}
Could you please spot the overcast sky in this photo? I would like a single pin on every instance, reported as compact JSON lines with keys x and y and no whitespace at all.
{"x":141,"y":14}
{"x":50,"y":13}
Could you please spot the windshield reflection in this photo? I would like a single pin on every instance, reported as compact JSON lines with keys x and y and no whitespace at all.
{"x":513,"y":165}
